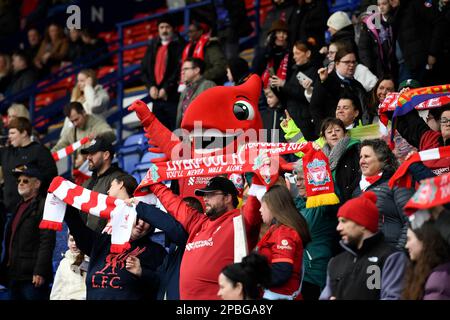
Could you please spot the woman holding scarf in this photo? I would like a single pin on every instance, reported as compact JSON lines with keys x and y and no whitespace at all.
{"x":378,"y":164}
{"x":344,"y":159}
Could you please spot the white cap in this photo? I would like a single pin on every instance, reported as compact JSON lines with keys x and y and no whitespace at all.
{"x":339,"y":20}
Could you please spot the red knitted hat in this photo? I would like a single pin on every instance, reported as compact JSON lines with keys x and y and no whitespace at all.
{"x":362,"y":210}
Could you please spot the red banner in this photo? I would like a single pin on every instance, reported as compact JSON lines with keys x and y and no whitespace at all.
{"x":250,"y":158}
{"x":391,"y":102}
{"x":431,"y":193}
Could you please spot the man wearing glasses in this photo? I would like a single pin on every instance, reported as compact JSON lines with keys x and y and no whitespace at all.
{"x":332,"y":86}
{"x":195,"y":83}
{"x":29,"y":250}
{"x":211,"y":243}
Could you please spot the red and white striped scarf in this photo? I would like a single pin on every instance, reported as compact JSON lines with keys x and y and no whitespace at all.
{"x":401,"y":176}
{"x":63,"y":192}
{"x":64,"y":152}
{"x":81,"y":174}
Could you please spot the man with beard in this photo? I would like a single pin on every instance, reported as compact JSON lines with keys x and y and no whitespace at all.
{"x":211,"y":243}
{"x":100,"y":155}
{"x":160,"y":70}
{"x":368,"y":269}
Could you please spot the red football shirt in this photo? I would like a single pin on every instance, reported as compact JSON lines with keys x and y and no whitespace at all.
{"x":283,"y":244}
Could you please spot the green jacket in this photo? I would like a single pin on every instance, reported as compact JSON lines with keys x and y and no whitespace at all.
{"x":215,"y":62}
{"x":293,"y":134}
{"x":322,"y":224}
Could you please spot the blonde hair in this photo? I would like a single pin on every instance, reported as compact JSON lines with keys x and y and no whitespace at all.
{"x":77,"y":95}
{"x":20,"y":111}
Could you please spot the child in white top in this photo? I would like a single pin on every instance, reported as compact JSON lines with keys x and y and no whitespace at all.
{"x":70,"y":278}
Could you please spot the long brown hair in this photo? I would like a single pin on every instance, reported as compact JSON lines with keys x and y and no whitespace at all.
{"x":279,"y":201}
{"x":435,"y":251}
{"x":374,"y":102}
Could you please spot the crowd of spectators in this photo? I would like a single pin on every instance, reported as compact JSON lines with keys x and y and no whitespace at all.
{"x":324,"y":77}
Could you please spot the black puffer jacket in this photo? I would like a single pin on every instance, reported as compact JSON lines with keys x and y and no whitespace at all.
{"x":390,"y":202}
{"x":374,"y":53}
{"x":347,"y":172}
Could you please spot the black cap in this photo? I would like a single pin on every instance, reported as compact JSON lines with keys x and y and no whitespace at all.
{"x":218,"y":184}
{"x":98,"y":144}
{"x":28,"y":170}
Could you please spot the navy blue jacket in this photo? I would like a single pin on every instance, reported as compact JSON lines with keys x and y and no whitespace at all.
{"x":169,"y":271}
{"x":107,"y":278}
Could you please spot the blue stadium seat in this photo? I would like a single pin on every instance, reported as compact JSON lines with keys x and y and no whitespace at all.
{"x":343,"y":5}
{"x":142,"y":167}
{"x":130,"y":153}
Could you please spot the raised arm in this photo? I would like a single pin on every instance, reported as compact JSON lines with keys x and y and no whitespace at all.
{"x":163,"y":221}
{"x":158,"y":134}
{"x":175,"y":205}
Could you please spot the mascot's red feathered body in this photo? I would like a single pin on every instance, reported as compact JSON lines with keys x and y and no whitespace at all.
{"x":222,"y":117}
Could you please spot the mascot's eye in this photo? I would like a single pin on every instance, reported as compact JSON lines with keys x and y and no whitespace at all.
{"x":243,"y":110}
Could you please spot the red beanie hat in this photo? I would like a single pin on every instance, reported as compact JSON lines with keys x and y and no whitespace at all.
{"x":362,"y":210}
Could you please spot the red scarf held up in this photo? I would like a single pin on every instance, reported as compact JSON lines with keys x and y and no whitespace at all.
{"x":401,"y":176}
{"x":319,"y":183}
{"x":281,"y":71}
{"x":431,"y":193}
{"x":318,"y":179}
{"x":64,"y":152}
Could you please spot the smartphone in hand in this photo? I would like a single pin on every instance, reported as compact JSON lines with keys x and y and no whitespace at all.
{"x":301,"y":76}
